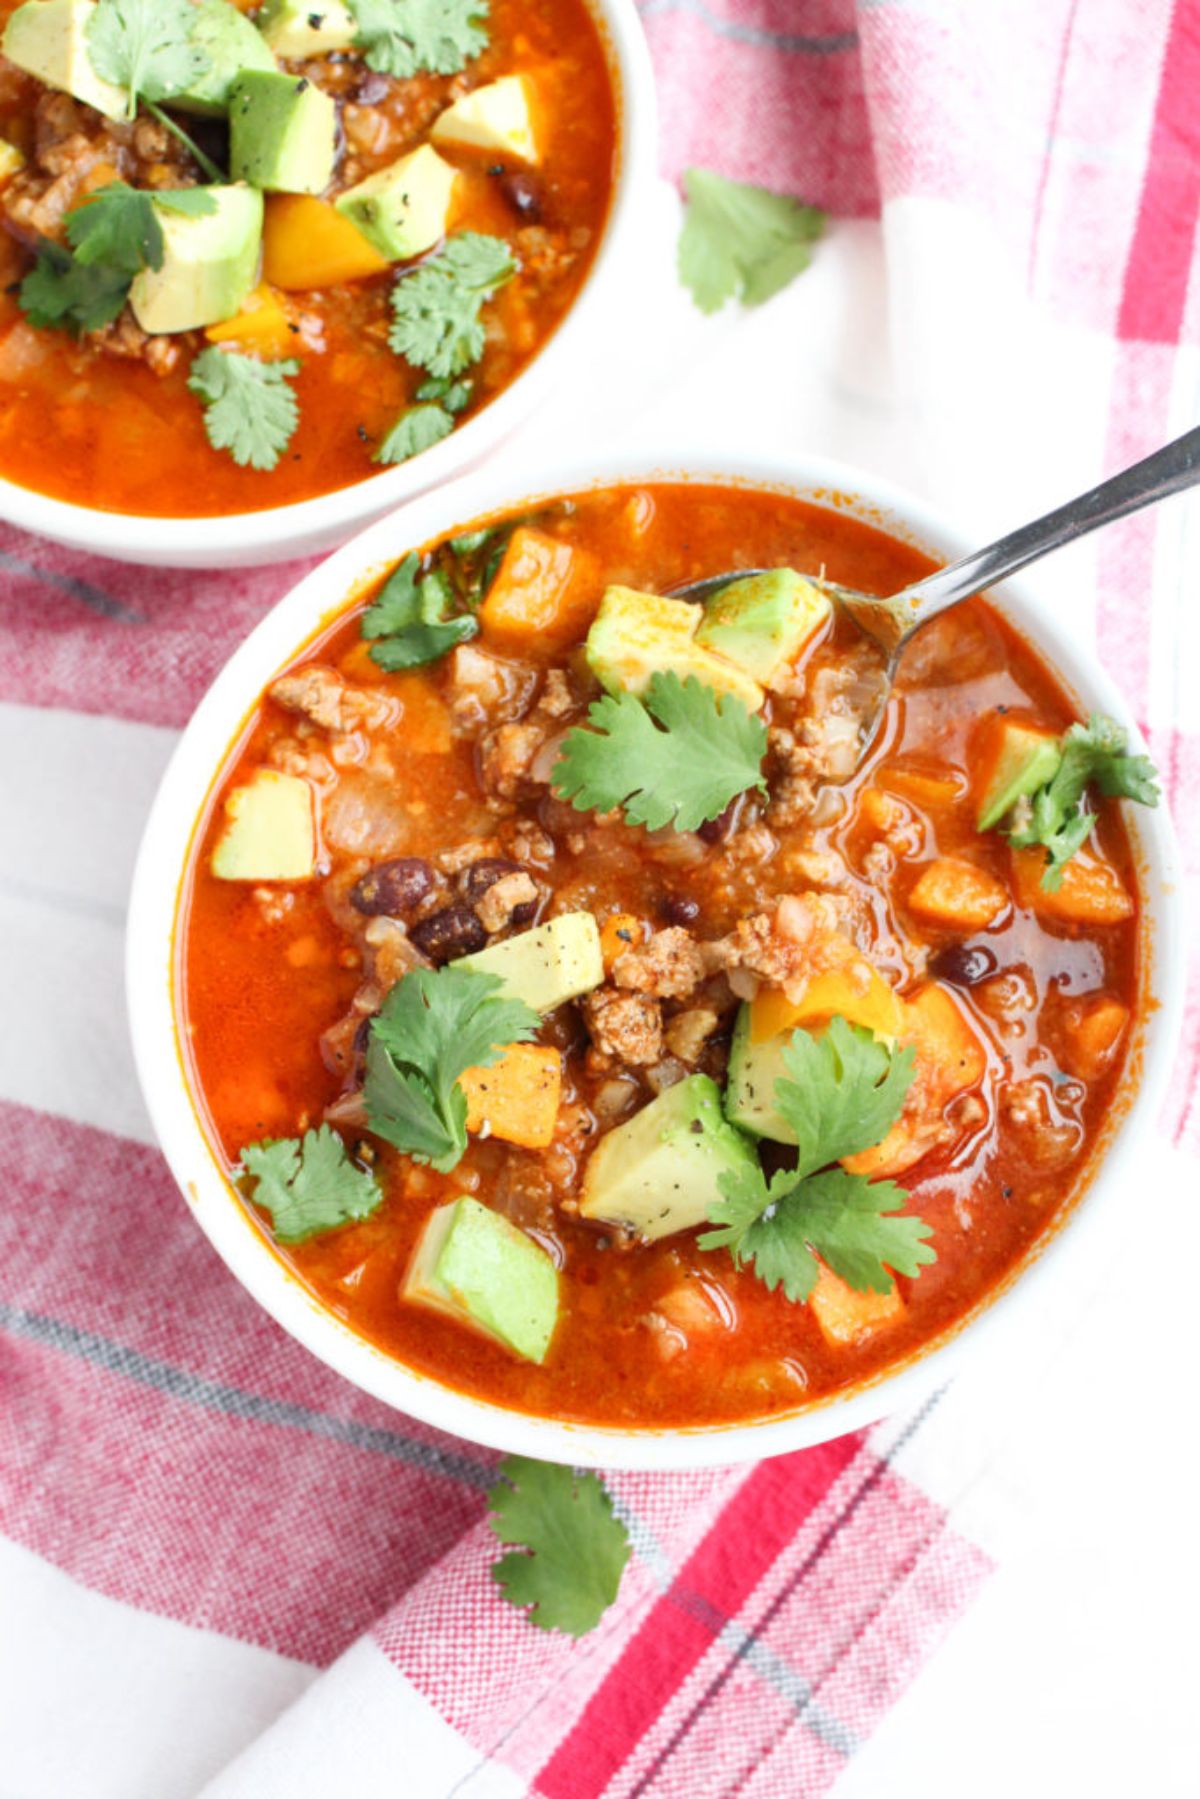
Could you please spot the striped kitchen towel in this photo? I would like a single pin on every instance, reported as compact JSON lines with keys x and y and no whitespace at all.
{"x":222,"y":1570}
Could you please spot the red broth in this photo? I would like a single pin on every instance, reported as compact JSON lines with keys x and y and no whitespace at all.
{"x":666,"y":1334}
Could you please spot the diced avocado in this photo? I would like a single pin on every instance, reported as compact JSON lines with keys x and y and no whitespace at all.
{"x":402,"y":210}
{"x":635,"y":636}
{"x":547,"y":966}
{"x":763,"y":622}
{"x":1027,"y":758}
{"x":661,"y":1171}
{"x":754,"y":1068}
{"x":495,"y":117}
{"x":232,"y":46}
{"x":269,"y":833}
{"x":477,"y":1268}
{"x":282,"y":132}
{"x":300,"y":28}
{"x":48,"y":38}
{"x":210,"y":264}
{"x":11,"y":161}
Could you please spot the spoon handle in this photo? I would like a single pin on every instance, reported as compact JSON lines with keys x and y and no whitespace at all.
{"x":1170,"y":470}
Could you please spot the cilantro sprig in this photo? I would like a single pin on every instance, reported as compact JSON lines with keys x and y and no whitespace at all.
{"x":310,"y":1185}
{"x":249,"y":409}
{"x":404,"y":37}
{"x":435,"y":308}
{"x":427,"y":423}
{"x":408,"y":619}
{"x":149,"y":48}
{"x":844,"y":1092}
{"x":432,"y":1028}
{"x":571,"y":1548}
{"x":113,"y":235}
{"x":676,"y":760}
{"x":1054,"y":816}
{"x":742,"y":240}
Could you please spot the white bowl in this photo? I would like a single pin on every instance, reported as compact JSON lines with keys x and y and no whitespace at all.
{"x":162,"y":862}
{"x":282,"y":532}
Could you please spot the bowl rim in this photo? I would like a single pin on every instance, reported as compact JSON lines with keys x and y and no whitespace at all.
{"x":282,"y":532}
{"x":183,"y":797}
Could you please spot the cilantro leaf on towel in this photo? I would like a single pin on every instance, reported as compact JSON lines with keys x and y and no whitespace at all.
{"x":309,"y":1186}
{"x":572,"y":1548}
{"x":846,"y":1090}
{"x":743,"y":241}
{"x":432,"y":1028}
{"x":676,"y":760}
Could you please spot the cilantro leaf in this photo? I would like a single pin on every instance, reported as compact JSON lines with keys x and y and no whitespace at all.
{"x":742,"y":240}
{"x":147,"y":47}
{"x":414,"y":431}
{"x":434,"y":1026}
{"x":843,"y":1217}
{"x":249,"y":408}
{"x":572,"y":1547}
{"x":436,"y":324}
{"x":408,"y":617}
{"x":843,"y":1093}
{"x":402,"y":37}
{"x":310,"y":1186}
{"x":453,"y":395}
{"x":676,"y":760}
{"x":118,"y":225}
{"x":1054,"y":816}
{"x":61,"y":292}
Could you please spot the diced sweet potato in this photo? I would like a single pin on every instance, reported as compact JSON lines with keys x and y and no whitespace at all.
{"x":857,"y":993}
{"x":621,"y":931}
{"x":846,"y":1316}
{"x":927,"y":788}
{"x":1090,"y":1034}
{"x":1091,"y":893}
{"x":544,"y":593}
{"x":958,"y":895}
{"x":949,"y":1059}
{"x":881,"y":811}
{"x":517,"y":1097}
{"x":263,"y":325}
{"x":308,"y":243}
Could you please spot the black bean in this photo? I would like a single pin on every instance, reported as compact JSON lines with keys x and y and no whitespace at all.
{"x":718,"y":828}
{"x":393,"y":888}
{"x":444,"y":936}
{"x":372,"y":89}
{"x":474,"y":881}
{"x":524,"y":196}
{"x":677,"y":908}
{"x":964,"y":964}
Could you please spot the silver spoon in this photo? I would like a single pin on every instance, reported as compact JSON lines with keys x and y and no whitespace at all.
{"x":891,"y":622}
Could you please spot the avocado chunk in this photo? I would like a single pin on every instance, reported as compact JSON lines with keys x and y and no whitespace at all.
{"x":635,"y":636}
{"x":1026,"y":759}
{"x":232,"y":46}
{"x":472,"y":1265}
{"x":269,"y":833}
{"x":48,"y":38}
{"x":763,"y":622}
{"x":661,"y":1172}
{"x":300,"y":28}
{"x":754,"y":1069}
{"x":402,"y":210}
{"x":282,"y":132}
{"x":210,"y":264}
{"x":496,"y":117}
{"x":547,"y":966}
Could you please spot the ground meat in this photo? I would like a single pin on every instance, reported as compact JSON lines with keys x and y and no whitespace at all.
{"x":823,"y":746}
{"x":1049,"y":1136}
{"x":327,"y":701}
{"x":527,"y":842}
{"x":803,"y":937}
{"x":688,"y":1032}
{"x":496,"y":905}
{"x":453,"y":861}
{"x":505,"y":756}
{"x":487,"y":690}
{"x":556,"y":698}
{"x":393,"y":953}
{"x":625,"y":1026}
{"x":670,"y":966}
{"x":126,"y":339}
